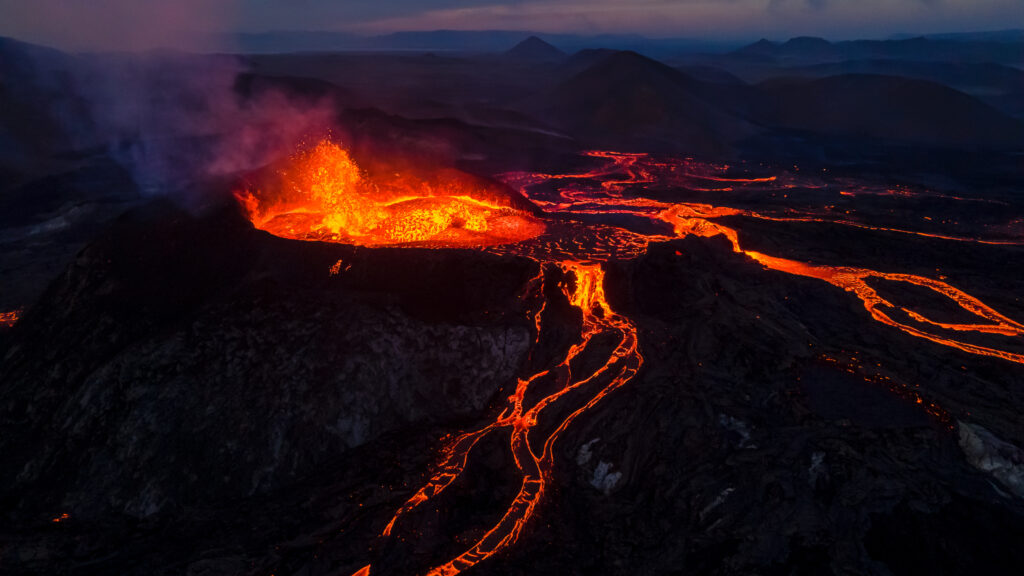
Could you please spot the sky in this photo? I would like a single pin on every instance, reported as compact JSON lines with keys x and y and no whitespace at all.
{"x":143,"y":24}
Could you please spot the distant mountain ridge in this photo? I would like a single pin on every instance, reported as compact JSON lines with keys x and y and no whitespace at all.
{"x":533,"y":48}
{"x":888,"y":108}
{"x":1011,"y":35}
{"x":456,"y":40}
{"x":627,"y":99}
{"x":920,"y":48}
{"x":998,"y":85}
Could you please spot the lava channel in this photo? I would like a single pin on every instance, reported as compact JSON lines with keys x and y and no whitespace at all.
{"x":324,"y":195}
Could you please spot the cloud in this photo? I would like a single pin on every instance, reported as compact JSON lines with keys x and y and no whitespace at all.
{"x":716,"y":18}
{"x":135,"y":24}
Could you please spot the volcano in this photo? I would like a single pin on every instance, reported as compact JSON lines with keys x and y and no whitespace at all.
{"x":618,"y":318}
{"x":535,"y":49}
{"x":630,"y":99}
{"x":512,"y":356}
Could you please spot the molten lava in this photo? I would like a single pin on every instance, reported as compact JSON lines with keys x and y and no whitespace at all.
{"x":629,"y":172}
{"x":8,"y":319}
{"x":591,"y":217}
{"x":324,"y":195}
{"x":534,"y":456}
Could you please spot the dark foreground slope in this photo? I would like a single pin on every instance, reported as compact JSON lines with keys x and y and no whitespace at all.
{"x":202,"y":398}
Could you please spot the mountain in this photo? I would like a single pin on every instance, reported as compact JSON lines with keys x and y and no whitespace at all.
{"x":803,"y":47}
{"x":888,"y":108}
{"x":761,"y":47}
{"x":38,"y":94}
{"x":995,"y":84}
{"x":425,"y":324}
{"x":535,"y":49}
{"x":584,"y":59}
{"x":628,"y":100}
{"x":709,"y":74}
{"x":1013,"y":35}
{"x":925,"y":49}
{"x":450,"y":41}
{"x":809,"y":46}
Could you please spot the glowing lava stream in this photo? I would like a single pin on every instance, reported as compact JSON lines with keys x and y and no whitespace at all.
{"x":8,"y":319}
{"x":536,"y":467}
{"x":697,"y":219}
{"x":855,"y":280}
{"x":326,"y":197}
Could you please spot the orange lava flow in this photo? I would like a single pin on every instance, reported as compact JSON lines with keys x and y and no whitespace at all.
{"x":886,"y":229}
{"x":855,"y":280}
{"x":534,"y":457}
{"x":8,"y":319}
{"x":322,"y":194}
{"x":698,"y":219}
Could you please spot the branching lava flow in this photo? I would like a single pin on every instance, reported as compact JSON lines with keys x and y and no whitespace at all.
{"x":324,"y":196}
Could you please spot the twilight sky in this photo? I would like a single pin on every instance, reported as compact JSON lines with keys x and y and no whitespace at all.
{"x":127,"y":24}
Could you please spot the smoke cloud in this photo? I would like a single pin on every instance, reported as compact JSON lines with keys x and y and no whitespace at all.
{"x":176,"y":118}
{"x":139,"y":92}
{"x":171,"y":119}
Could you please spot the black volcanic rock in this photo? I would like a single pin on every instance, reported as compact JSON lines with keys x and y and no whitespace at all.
{"x":46,"y":221}
{"x":763,"y":470}
{"x":535,"y":49}
{"x":203,"y":398}
{"x":219,"y":362}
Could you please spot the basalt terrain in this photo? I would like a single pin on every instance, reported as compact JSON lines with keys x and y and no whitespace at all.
{"x":579,"y":313}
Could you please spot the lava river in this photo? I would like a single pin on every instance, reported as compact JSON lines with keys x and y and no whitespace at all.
{"x":327,"y":197}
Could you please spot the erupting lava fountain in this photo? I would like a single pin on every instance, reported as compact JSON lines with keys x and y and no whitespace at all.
{"x":324,"y":195}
